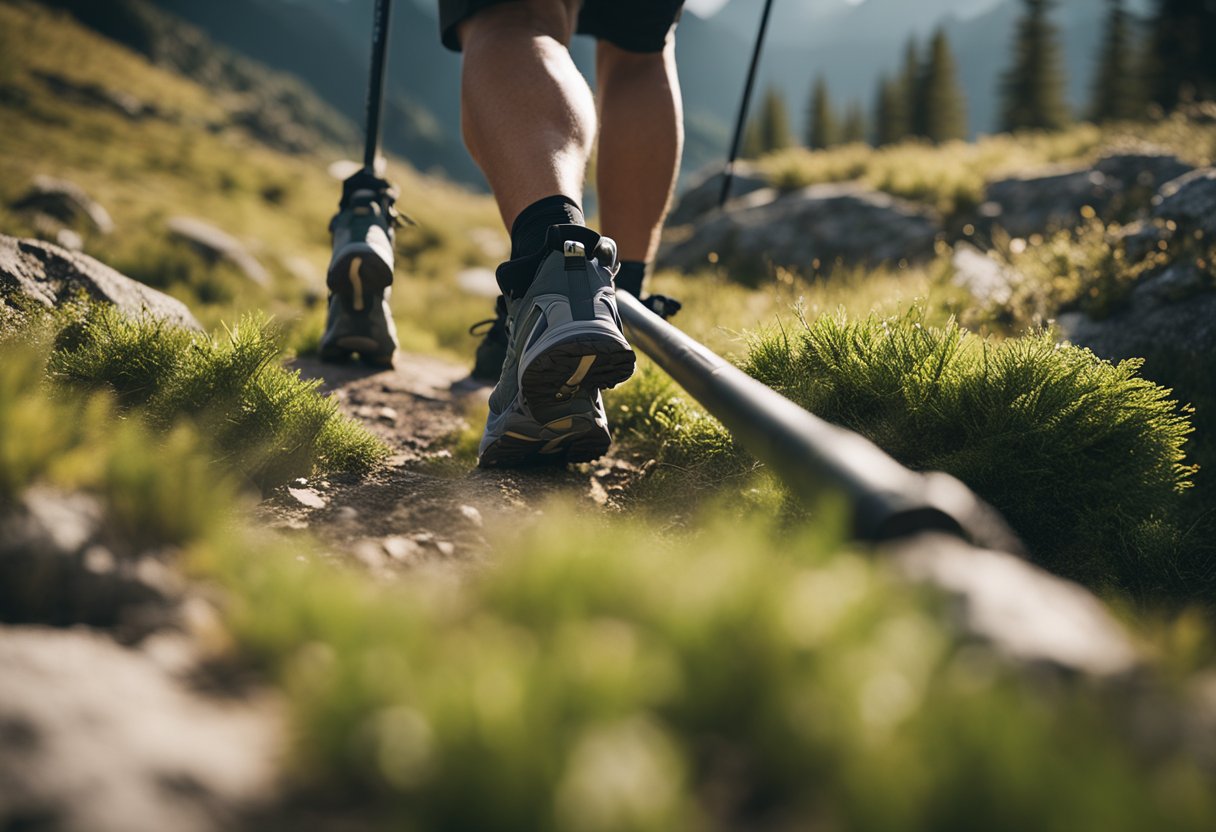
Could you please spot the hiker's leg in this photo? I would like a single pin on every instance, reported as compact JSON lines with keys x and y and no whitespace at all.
{"x":641,"y":137}
{"x":527,"y":113}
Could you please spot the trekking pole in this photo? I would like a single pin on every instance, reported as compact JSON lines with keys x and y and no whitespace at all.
{"x":375,"y":87}
{"x":812,"y":456}
{"x":728,"y":174}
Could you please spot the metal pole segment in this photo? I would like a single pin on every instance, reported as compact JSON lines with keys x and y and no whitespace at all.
{"x":888,"y":500}
{"x":375,"y":87}
{"x":728,"y":174}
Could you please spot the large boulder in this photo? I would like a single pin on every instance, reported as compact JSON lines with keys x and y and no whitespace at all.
{"x":45,"y":274}
{"x":702,"y":197}
{"x":1116,"y":188}
{"x":813,"y":228}
{"x":216,"y":245}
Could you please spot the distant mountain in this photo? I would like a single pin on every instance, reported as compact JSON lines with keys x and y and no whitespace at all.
{"x":325,"y":44}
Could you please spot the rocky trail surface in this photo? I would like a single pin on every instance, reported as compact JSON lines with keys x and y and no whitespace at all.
{"x":426,"y":508}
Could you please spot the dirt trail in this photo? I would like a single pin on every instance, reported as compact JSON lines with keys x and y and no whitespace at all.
{"x":425,"y":508}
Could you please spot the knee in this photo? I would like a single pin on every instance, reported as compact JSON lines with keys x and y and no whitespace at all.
{"x":554,"y":19}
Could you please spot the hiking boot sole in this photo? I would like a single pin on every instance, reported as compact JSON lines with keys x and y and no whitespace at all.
{"x":359,"y":277}
{"x":581,"y":360}
{"x":563,"y":441}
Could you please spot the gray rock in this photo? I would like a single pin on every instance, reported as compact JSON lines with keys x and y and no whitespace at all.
{"x":63,"y":202}
{"x":1115,"y":188}
{"x":49,"y":275}
{"x":1169,"y":318}
{"x":1190,"y":202}
{"x":812,"y":228}
{"x":702,"y":198}
{"x":59,"y":566}
{"x":217,"y":245}
{"x":1023,"y":612}
{"x":98,"y":738}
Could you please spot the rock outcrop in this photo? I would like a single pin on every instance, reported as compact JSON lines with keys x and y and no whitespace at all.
{"x":1115,"y":189}
{"x":702,"y":198}
{"x":810,"y":229}
{"x":48,"y":275}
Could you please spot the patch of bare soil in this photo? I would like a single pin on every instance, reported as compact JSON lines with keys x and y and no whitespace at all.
{"x":426,"y":507}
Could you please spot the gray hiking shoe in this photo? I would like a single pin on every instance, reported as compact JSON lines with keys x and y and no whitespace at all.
{"x":564,"y":345}
{"x":360,"y":274}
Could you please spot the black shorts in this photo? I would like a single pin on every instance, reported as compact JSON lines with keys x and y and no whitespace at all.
{"x":633,"y":25}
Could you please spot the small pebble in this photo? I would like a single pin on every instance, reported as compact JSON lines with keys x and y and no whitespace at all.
{"x":347,"y":513}
{"x":472,"y":515}
{"x":445,"y":548}
{"x":307,"y":497}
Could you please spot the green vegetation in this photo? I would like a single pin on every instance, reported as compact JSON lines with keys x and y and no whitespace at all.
{"x":769,"y":130}
{"x":1117,"y":92}
{"x":941,"y":115}
{"x":608,"y":676}
{"x":198,"y":155}
{"x":704,"y":658}
{"x":822,"y":131}
{"x":1085,"y":459}
{"x":1180,"y":66}
{"x":1032,"y":89}
{"x":952,"y":178}
{"x":262,"y":421}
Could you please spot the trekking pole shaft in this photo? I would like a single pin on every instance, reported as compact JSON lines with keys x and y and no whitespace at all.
{"x":375,"y":87}
{"x":729,"y":174}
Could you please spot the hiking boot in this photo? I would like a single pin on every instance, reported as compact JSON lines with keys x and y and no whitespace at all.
{"x":564,"y":345}
{"x":360,"y":274}
{"x":491,"y":352}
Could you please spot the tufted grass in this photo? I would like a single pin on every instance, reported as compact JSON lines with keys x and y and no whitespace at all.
{"x":262,"y":420}
{"x":1084,"y":458}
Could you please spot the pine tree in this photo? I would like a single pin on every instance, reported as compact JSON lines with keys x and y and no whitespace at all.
{"x":1116,"y":91}
{"x":822,"y":131}
{"x":890,"y":112}
{"x":912,"y":91}
{"x":1182,"y":53}
{"x":944,"y":106}
{"x":854,"y":131}
{"x":769,"y":130}
{"x":1032,"y":90}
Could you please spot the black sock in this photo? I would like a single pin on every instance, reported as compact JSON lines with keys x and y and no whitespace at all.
{"x":528,"y":240}
{"x":529,"y":229}
{"x":631,"y":276}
